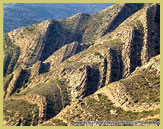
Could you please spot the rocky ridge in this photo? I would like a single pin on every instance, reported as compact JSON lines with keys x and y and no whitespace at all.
{"x":84,"y":63}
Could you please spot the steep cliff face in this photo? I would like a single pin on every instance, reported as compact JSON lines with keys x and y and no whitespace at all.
{"x":80,"y":65}
{"x":30,"y":40}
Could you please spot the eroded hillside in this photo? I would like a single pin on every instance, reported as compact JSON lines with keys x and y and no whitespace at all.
{"x":89,"y":67}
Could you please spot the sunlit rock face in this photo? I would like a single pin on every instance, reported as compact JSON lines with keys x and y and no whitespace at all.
{"x":89,"y":67}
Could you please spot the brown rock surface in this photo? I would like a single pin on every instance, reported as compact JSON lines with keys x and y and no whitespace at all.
{"x":106,"y":63}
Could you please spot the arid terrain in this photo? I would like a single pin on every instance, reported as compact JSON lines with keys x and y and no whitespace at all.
{"x":103,"y":66}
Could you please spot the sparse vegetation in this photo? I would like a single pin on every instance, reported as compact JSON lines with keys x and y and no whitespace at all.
{"x":66,"y":66}
{"x":30,"y":29}
{"x":101,"y":108}
{"x":58,"y":122}
{"x":139,"y":26}
{"x":115,"y":44}
{"x":25,"y":111}
{"x":98,"y":54}
{"x":56,"y":95}
{"x":143,"y":87}
{"x":12,"y":53}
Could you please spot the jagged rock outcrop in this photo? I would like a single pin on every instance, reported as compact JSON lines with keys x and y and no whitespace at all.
{"x":152,"y":38}
{"x":35,"y":69}
{"x":146,"y":75}
{"x":117,"y":101}
{"x":134,"y":35}
{"x":88,"y":82}
{"x":103,"y":73}
{"x":41,"y":103}
{"x":20,"y":78}
{"x":122,"y":15}
{"x":87,"y":64}
{"x":62,"y":54}
{"x":31,"y":42}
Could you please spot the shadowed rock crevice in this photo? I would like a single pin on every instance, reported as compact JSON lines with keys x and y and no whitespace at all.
{"x":21,"y":80}
{"x":56,"y":37}
{"x":51,"y":107}
{"x":116,"y":65}
{"x":153,"y":24}
{"x":82,"y":47}
{"x":78,"y":27}
{"x":136,"y":49}
{"x":60,"y":33}
{"x":44,"y":67}
{"x":16,"y":81}
{"x":93,"y":80}
{"x":157,"y":21}
{"x":77,"y":75}
{"x":6,"y":64}
{"x":89,"y":83}
{"x":60,"y":102}
{"x":57,"y":102}
{"x":122,"y":15}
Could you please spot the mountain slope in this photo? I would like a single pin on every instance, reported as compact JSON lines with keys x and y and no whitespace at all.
{"x":68,"y":69}
{"x":131,"y":99}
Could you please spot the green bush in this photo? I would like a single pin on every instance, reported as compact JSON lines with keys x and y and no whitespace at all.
{"x":58,"y":122}
{"x":98,"y":54}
